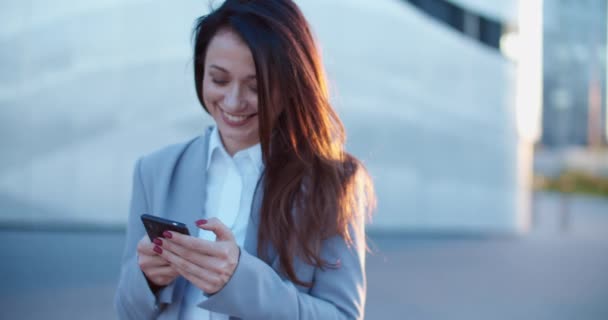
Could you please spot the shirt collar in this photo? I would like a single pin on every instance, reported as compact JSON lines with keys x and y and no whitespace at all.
{"x":255,"y":153}
{"x":215,"y":145}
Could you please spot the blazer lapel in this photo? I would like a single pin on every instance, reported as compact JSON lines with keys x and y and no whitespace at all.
{"x":186,"y":199}
{"x":251,"y":237}
{"x":189,"y":192}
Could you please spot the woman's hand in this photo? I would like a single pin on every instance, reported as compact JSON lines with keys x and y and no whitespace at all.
{"x":206,"y":264}
{"x":156,"y":268}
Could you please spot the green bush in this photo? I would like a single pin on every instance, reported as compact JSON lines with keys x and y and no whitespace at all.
{"x":572,"y":181}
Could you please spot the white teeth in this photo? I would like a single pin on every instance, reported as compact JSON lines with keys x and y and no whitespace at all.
{"x":235,"y":118}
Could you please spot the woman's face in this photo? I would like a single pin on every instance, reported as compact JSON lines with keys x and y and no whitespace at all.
{"x":230,"y":90}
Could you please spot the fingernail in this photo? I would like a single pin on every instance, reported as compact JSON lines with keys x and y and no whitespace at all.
{"x":167,"y":234}
{"x":158,"y":242}
{"x":158,"y":250}
{"x":201,"y":222}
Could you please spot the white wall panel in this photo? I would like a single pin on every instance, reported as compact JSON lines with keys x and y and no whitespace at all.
{"x":87,"y":89}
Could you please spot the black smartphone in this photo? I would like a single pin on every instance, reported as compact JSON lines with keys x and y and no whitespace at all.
{"x":155,"y":226}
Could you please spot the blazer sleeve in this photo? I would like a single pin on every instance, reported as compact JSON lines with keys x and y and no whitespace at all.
{"x":134,"y":298}
{"x":256,"y":291}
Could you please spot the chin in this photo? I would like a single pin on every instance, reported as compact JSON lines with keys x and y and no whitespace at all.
{"x":240,"y":135}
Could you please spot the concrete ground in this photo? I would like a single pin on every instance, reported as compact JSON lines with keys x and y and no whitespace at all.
{"x":557,"y":271}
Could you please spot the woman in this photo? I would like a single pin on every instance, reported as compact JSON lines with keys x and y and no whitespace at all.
{"x":279,"y":205}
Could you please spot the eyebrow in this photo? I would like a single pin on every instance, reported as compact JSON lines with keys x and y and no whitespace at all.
{"x":252,"y":76}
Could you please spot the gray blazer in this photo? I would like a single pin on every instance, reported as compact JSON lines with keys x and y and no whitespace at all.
{"x":171,"y":183}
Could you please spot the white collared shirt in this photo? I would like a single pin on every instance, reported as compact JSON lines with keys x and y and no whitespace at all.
{"x":230,"y":186}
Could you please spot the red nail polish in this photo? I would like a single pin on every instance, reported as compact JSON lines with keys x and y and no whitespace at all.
{"x":201,"y":222}
{"x":158,"y":242}
{"x":158,"y":250}
{"x":167,"y":234}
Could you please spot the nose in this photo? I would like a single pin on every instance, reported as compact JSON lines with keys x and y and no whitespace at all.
{"x":232,"y":98}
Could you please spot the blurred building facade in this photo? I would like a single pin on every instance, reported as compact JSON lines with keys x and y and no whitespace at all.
{"x":476,"y":24}
{"x":87,"y":87}
{"x":574,"y":112}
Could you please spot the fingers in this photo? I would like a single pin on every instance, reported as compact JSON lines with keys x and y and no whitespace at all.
{"x":206,"y":264}
{"x":201,"y":246}
{"x":144,"y":246}
{"x":222,"y":232}
{"x":156,"y":268}
{"x":202,"y":278}
{"x":163,"y":273}
{"x":147,"y":258}
{"x":161,"y":276}
{"x":154,"y":261}
{"x":217,"y":263}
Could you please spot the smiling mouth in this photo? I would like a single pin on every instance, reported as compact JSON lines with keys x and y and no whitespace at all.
{"x":236,"y":120}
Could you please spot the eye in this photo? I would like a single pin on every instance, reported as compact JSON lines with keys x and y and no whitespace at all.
{"x":219,"y":82}
{"x":253,"y":89}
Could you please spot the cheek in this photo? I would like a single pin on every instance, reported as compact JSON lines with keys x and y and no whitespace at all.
{"x":210,"y":95}
{"x":252,"y":100}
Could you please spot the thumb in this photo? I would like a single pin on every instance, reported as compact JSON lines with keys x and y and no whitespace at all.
{"x":214,"y":225}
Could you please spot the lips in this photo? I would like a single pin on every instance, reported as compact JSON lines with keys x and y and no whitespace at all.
{"x":236,"y":120}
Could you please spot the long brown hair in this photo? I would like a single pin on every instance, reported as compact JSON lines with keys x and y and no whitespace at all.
{"x":313,"y":189}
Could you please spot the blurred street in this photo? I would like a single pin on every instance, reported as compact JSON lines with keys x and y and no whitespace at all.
{"x":551,"y":273}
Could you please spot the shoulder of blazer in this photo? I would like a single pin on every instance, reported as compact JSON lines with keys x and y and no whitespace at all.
{"x":162,"y":162}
